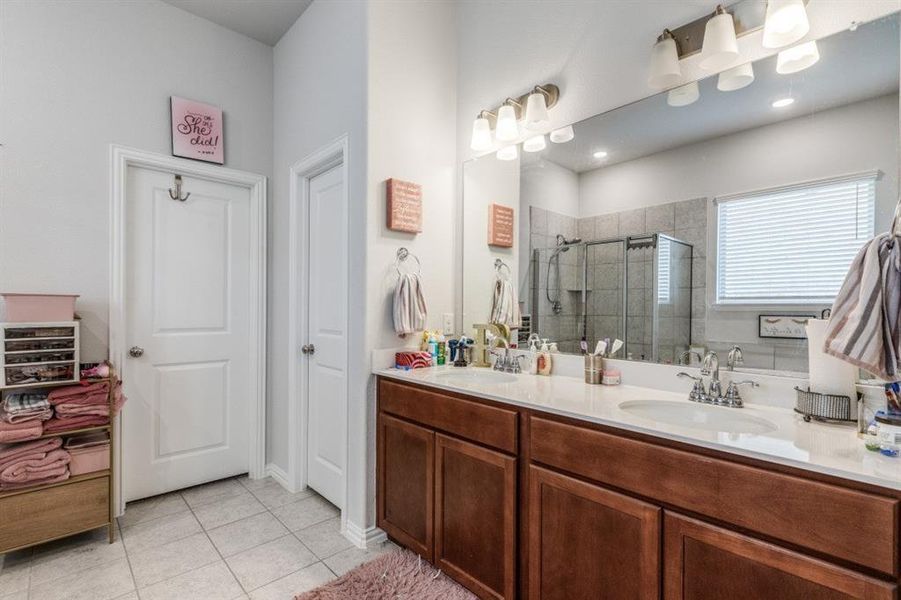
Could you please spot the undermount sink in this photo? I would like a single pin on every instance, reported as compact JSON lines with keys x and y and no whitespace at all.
{"x":698,"y":416}
{"x":470,"y":375}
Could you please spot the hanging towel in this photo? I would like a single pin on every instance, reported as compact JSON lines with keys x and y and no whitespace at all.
{"x":505,"y":305}
{"x":864,"y":327}
{"x":410,"y":311}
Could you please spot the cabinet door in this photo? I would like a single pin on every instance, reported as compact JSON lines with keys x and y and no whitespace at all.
{"x":475,"y":517}
{"x":406,"y":483}
{"x":703,"y":562}
{"x":589,"y":542}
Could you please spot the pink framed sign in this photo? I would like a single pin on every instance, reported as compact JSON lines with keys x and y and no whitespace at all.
{"x":197,"y":130}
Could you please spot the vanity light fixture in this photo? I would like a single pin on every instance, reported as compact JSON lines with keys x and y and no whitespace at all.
{"x":562,"y":135}
{"x":507,"y":126}
{"x":736,"y":78}
{"x":786,"y":23}
{"x":797,"y":58}
{"x":720,"y":49}
{"x":684,"y":95}
{"x":536,"y":110}
{"x":665,"y":71}
{"x":507,"y":153}
{"x":481,"y":133}
{"x":535,"y":143}
{"x":783,"y":102}
{"x":600,"y":154}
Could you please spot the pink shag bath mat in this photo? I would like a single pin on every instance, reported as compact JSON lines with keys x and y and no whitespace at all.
{"x":398,"y":574}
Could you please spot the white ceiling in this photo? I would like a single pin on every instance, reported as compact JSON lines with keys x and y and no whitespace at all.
{"x":853,"y":66}
{"x":263,"y":20}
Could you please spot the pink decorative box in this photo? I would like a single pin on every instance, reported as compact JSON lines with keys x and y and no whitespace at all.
{"x":89,"y":459}
{"x":39,"y":308}
{"x":412,"y":360}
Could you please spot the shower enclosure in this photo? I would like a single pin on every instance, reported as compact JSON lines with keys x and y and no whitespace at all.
{"x":636,"y":288}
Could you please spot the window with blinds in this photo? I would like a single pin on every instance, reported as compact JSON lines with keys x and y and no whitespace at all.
{"x":792,"y":245}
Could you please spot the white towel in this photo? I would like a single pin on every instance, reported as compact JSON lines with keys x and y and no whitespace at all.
{"x":864,"y":327}
{"x":505,"y":305}
{"x":410,"y":311}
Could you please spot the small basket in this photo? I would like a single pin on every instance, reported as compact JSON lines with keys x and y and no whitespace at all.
{"x":824,"y":407}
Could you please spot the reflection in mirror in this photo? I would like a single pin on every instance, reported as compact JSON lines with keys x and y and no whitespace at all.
{"x":702,"y":226}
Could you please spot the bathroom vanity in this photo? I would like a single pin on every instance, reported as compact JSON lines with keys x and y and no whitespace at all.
{"x":532,"y":487}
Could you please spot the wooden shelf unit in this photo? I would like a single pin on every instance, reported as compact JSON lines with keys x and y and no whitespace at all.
{"x":43,"y":513}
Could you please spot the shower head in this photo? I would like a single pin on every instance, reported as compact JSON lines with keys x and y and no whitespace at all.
{"x":563,"y":243}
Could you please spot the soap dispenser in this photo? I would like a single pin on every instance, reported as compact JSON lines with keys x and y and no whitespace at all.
{"x":544,"y":359}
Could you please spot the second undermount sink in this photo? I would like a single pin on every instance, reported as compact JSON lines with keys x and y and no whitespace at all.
{"x":478,"y":376}
{"x":698,"y":416}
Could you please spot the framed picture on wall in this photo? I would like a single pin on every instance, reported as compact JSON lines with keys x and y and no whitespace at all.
{"x":197,"y":130}
{"x":783,"y":327}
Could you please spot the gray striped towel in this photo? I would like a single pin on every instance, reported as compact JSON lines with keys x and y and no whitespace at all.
{"x":25,"y":401}
{"x":410,"y":311}
{"x":864,"y":327}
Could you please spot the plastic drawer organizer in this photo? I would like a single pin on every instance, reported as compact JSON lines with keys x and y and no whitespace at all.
{"x":35,"y":354}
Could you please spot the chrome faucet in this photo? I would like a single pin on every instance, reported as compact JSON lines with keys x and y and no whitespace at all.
{"x":734,"y":358}
{"x":685,"y":357}
{"x":733,"y":397}
{"x":710,"y":366}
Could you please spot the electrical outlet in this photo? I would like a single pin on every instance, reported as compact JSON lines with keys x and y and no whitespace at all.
{"x":448,"y":323}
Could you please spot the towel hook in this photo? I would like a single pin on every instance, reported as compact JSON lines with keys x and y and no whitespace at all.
{"x":499,"y":266}
{"x":402,"y":255}
{"x":177,"y":194}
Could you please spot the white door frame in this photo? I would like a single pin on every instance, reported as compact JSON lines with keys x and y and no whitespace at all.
{"x":326,"y":158}
{"x":122,"y":157}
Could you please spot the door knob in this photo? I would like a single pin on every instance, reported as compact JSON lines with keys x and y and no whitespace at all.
{"x":308,"y":349}
{"x":136,"y":352}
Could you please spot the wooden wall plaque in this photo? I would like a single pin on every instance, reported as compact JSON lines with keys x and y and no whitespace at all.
{"x":500,"y":225}
{"x":404,"y":206}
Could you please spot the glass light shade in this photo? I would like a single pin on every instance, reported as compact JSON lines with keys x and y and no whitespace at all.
{"x":720,"y":49}
{"x":536,"y":112}
{"x":786,"y":23}
{"x":797,"y":58}
{"x":507,"y":153}
{"x":684,"y":95}
{"x":736,"y":78}
{"x":563,"y":135}
{"x":665,"y":71}
{"x":481,"y":135}
{"x":534,"y":144}
{"x":507,"y":127}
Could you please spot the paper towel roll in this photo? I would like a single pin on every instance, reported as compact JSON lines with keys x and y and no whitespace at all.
{"x":828,"y":375}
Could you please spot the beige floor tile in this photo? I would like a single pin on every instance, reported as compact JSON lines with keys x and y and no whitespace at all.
{"x":325,"y":538}
{"x":287,"y":587}
{"x":306,"y":512}
{"x":228,"y":509}
{"x":351,"y":558}
{"x":252,"y":484}
{"x":128,"y":596}
{"x":76,"y":554}
{"x":153,"y":508}
{"x":212,"y":492}
{"x":264,"y":564}
{"x":246,"y":533}
{"x":103,"y":582}
{"x":170,"y":560}
{"x":15,"y":569}
{"x":273,"y":495}
{"x":212,"y":582}
{"x":20,"y":595}
{"x":159,"y":531}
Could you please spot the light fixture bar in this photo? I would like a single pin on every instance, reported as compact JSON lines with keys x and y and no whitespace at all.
{"x":551,"y":93}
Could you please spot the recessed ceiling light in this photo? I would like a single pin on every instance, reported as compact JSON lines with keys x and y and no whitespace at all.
{"x":600,"y":154}
{"x":783,"y":102}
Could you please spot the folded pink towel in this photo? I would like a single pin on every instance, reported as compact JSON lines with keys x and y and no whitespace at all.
{"x":73,"y":410}
{"x":35,"y":468}
{"x":54,"y":479}
{"x":21,"y":431}
{"x":41,"y":414}
{"x":96,"y":392}
{"x":12,"y":453}
{"x":57,"y":425}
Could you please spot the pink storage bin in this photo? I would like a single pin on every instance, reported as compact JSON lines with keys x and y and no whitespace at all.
{"x":39,"y":308}
{"x":89,"y":459}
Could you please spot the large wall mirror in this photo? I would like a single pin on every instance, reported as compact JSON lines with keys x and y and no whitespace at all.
{"x":679,"y":225}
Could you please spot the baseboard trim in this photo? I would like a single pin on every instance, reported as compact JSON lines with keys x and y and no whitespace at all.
{"x":279,"y":475}
{"x":364,"y":538}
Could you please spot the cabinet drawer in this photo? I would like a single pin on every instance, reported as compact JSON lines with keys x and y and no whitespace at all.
{"x":855,"y":526}
{"x":53,"y":512}
{"x":489,"y":425}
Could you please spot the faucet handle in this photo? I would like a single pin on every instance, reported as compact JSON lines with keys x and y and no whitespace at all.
{"x":733,"y":396}
{"x":698,"y":393}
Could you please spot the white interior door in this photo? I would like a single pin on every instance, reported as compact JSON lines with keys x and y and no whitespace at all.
{"x":326,"y":348}
{"x":187,"y":313}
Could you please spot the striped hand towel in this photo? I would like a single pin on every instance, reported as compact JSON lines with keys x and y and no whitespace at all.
{"x":505,"y":305}
{"x":410,"y":311}
{"x":864,"y":327}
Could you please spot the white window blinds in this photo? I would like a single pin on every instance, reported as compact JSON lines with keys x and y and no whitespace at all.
{"x":792,"y":245}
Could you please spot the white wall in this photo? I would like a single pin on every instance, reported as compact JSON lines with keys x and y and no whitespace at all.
{"x":412,"y":124}
{"x":319,"y":95}
{"x":78,"y":76}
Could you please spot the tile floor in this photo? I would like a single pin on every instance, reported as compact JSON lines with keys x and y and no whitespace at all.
{"x":230,"y":539}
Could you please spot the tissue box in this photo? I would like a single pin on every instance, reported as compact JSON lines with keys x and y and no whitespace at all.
{"x":412,"y":360}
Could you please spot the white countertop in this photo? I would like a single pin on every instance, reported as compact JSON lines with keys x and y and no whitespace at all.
{"x":831,"y":449}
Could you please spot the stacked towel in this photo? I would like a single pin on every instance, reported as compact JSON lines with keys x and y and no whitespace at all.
{"x":81,"y":406}
{"x":25,"y":405}
{"x":865,"y":327}
{"x":57,"y":425}
{"x":21,"y":431}
{"x":35,"y":463}
{"x":505,"y":305}
{"x":410,"y":311}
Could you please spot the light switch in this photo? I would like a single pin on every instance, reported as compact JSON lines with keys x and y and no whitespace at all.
{"x":448,"y":324}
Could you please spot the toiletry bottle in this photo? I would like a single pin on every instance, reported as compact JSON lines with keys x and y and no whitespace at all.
{"x":433,"y":350}
{"x":442,"y":350}
{"x":544,"y":360}
{"x":533,"y":357}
